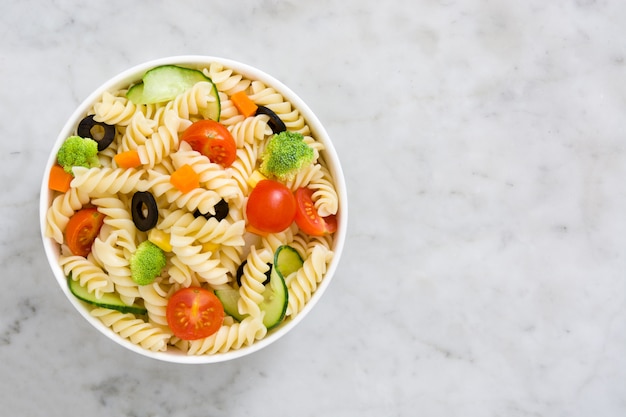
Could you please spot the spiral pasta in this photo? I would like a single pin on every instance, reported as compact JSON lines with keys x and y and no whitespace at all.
{"x":272,"y":241}
{"x":300,"y":243}
{"x":88,"y":273}
{"x":230,"y":258}
{"x":305,"y":176}
{"x":143,"y":333}
{"x":139,"y":130}
{"x":115,"y":109}
{"x":163,"y":141}
{"x":226,"y":80}
{"x":62,"y":208}
{"x":211,"y":230}
{"x":244,"y":166}
{"x":180,"y":273}
{"x":302,"y":284}
{"x":155,"y":298}
{"x":192,"y":253}
{"x":252,"y":287}
{"x":324,"y":194}
{"x":250,"y":130}
{"x":106,"y":181}
{"x":267,"y":96}
{"x":229,"y":337}
{"x":117,"y":215}
{"x":197,"y":101}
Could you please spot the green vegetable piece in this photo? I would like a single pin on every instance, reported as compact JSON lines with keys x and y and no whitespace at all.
{"x":111,"y":301}
{"x":275,"y":300}
{"x":287,"y":260}
{"x":285,"y":154}
{"x":147,"y":263}
{"x":166,"y":82}
{"x":77,"y":151}
{"x":135,"y":94}
{"x":229,"y":297}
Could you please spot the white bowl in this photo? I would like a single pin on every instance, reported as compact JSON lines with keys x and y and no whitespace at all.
{"x":123,"y":80}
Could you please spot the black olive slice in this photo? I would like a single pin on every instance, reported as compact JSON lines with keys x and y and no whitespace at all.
{"x":275,"y":123}
{"x":144,"y":210}
{"x":221,"y":211}
{"x":98,"y":131}
{"x":240,"y":273}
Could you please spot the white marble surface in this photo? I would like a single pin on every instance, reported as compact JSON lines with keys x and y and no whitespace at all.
{"x":484,"y":149}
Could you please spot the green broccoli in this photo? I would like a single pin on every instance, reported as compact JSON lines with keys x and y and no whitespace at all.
{"x":147,"y":263}
{"x":77,"y":151}
{"x":285,"y":154}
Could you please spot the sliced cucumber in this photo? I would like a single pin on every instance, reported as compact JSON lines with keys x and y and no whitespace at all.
{"x":275,"y":297}
{"x":165,"y":82}
{"x":135,"y":93}
{"x":287,"y":260}
{"x":108,"y":300}
{"x":229,"y":298}
{"x":275,"y":300}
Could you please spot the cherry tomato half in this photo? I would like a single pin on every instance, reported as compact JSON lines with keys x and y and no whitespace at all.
{"x":271,"y":207}
{"x":194,"y":313}
{"x":213,"y":140}
{"x":307,"y":217}
{"x":82,"y":229}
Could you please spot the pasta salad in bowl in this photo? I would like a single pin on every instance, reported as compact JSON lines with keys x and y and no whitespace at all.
{"x":193,"y":209}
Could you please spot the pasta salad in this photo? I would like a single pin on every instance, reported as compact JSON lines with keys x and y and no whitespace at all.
{"x":179,"y":232}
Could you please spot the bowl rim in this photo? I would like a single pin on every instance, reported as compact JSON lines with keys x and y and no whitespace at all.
{"x":133,"y":74}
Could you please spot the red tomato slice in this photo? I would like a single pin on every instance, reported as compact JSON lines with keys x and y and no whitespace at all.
{"x":194,"y":313}
{"x":307,"y":218}
{"x":213,"y":140}
{"x":271,"y":207}
{"x":82,"y":229}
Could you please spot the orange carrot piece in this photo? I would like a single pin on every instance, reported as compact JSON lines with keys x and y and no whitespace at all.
{"x":59,"y":180}
{"x":185,"y":179}
{"x":127,"y":159}
{"x":243,"y":103}
{"x":252,"y":229}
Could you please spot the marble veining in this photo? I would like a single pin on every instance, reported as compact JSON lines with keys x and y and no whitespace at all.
{"x":483,"y":148}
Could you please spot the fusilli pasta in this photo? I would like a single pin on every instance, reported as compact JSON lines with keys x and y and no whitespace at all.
{"x":144,"y":333}
{"x":228,"y":337}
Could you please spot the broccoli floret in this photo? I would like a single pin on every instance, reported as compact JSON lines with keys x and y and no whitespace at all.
{"x":285,"y":154}
{"x":77,"y":151}
{"x":147,"y":263}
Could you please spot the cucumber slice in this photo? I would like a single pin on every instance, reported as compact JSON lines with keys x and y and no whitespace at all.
{"x":165,"y":82}
{"x":108,"y":300}
{"x":275,"y":300}
{"x":287,"y":260}
{"x":229,"y":298}
{"x":275,"y":297}
{"x":135,"y":93}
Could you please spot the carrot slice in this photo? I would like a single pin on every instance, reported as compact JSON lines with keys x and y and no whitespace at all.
{"x":59,"y":180}
{"x":185,"y":179}
{"x":243,"y":103}
{"x":127,"y":159}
